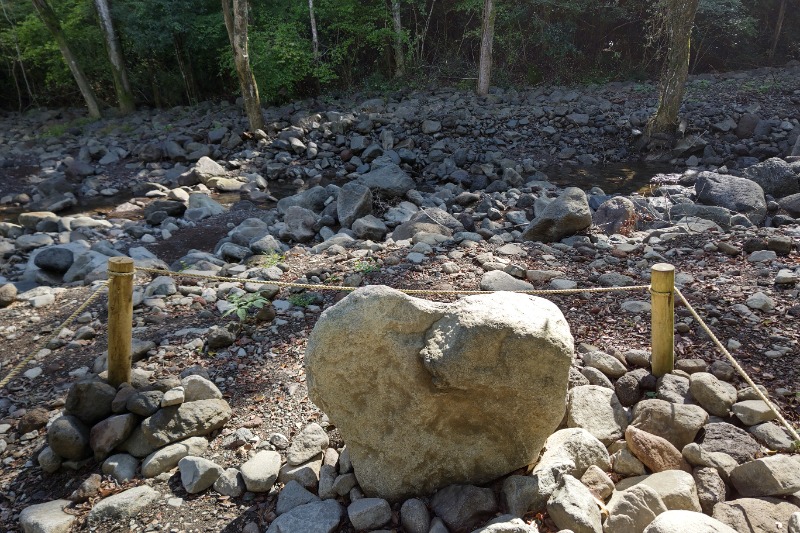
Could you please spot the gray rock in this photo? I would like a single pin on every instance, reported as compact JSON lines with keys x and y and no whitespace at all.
{"x":293,"y":495}
{"x":752,"y":412}
{"x":122,"y":467}
{"x":607,"y":364}
{"x":736,"y":194}
{"x":615,"y":215}
{"x":573,"y":507}
{"x":8,"y":294}
{"x":755,"y":515}
{"x":721,"y":462}
{"x":564,"y":216}
{"x":144,"y":403}
{"x":715,"y":396}
{"x":220,"y":337}
{"x":624,"y":463}
{"x":310,"y":442}
{"x":507,"y":524}
{"x":775,"y":176}
{"x":48,"y":460}
{"x":777,"y":475}
{"x":716,"y":214}
{"x":678,"y":423}
{"x":430,"y":126}
{"x":314,"y":517}
{"x":110,"y":433}
{"x":198,"y":474}
{"x":261,"y":471}
{"x":124,"y":505}
{"x":199,"y":388}
{"x":426,"y":343}
{"x":300,"y":224}
{"x":206,"y":168}
{"x":47,"y":518}
{"x":794,"y":521}
{"x":389,"y":181}
{"x":414,"y":516}
{"x":369,"y":513}
{"x":728,"y":439}
{"x":463,"y":507}
{"x":633,"y":509}
{"x":68,"y":437}
{"x":710,"y":487}
{"x":598,"y":482}
{"x":354,"y":201}
{"x":90,"y":401}
{"x":168,"y":457}
{"x":575,"y":447}
{"x":190,"y":419}
{"x":524,"y":494}
{"x":673,"y":388}
{"x":54,"y":259}
{"x":497,"y":280}
{"x":230,"y":483}
{"x":676,"y":488}
{"x":370,"y":228}
{"x":772,"y":436}
{"x":307,"y":474}
{"x":684,"y":521}
{"x":597,"y":410}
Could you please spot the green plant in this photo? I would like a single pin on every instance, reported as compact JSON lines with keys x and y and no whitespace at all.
{"x":272,"y":258}
{"x":301,"y":299}
{"x":366,"y":266}
{"x":242,"y":304}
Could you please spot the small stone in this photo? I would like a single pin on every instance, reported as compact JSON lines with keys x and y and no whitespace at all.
{"x":311,"y":441}
{"x":47,"y":518}
{"x":777,"y":475}
{"x":463,"y":507}
{"x":230,"y":483}
{"x":752,"y":412}
{"x":261,"y":471}
{"x":598,"y":482}
{"x":573,"y":507}
{"x":633,"y":509}
{"x":414,"y":516}
{"x":124,"y":505}
{"x":293,"y":495}
{"x":657,"y":453}
{"x":607,"y":364}
{"x":686,"y":521}
{"x":198,"y":474}
{"x":173,"y":397}
{"x":710,"y":487}
{"x":715,"y":396}
{"x":369,"y":513}
{"x":121,"y":466}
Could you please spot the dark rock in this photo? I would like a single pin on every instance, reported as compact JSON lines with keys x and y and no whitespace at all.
{"x":463,"y":507}
{"x":90,"y":401}
{"x":68,"y":437}
{"x":726,"y":438}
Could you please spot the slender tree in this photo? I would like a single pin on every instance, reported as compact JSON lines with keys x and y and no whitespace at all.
{"x":777,"y":33}
{"x":399,"y":57}
{"x":50,"y":21}
{"x":236,"y":24}
{"x":678,"y":19}
{"x":487,"y":38}
{"x":115,"y":58}
{"x":314,"y":35}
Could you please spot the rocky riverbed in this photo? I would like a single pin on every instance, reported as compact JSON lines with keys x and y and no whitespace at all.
{"x":421,"y":190}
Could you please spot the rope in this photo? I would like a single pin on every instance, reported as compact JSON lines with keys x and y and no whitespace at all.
{"x":316,"y":287}
{"x":14,"y":371}
{"x":738,"y":367}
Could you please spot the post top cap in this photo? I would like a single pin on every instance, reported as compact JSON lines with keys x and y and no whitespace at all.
{"x":663,"y":267}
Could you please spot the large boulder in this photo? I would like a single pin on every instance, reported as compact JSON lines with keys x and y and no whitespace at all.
{"x":737,"y":194}
{"x":775,"y":176}
{"x":564,"y":216}
{"x":452,"y":378}
{"x":354,"y":201}
{"x":389,"y":180}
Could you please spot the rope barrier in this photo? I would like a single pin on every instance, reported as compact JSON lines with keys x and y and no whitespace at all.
{"x":14,"y":371}
{"x":739,"y":369}
{"x":317,"y":287}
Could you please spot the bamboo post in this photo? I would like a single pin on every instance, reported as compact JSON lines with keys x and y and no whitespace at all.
{"x":120,"y":319}
{"x":662,"y":287}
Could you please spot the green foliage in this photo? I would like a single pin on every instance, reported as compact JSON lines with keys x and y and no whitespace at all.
{"x":301,"y":299}
{"x":57,"y":130}
{"x":723,"y":28}
{"x":272,"y":258}
{"x":243,"y":304}
{"x":366,"y":266}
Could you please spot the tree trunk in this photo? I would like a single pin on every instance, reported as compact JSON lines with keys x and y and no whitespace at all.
{"x":399,"y":57}
{"x":314,"y":35}
{"x":50,"y":20}
{"x":114,"y":49}
{"x":778,"y":25}
{"x":236,"y":24}
{"x":485,"y":65}
{"x":678,"y":22}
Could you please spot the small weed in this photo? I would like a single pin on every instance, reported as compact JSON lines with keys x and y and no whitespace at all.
{"x":57,"y":130}
{"x":366,"y":266}
{"x":244,"y":303}
{"x":272,"y":258}
{"x":301,"y":299}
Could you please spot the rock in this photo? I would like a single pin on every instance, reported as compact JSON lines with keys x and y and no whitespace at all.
{"x":576,"y":447}
{"x":87,"y":490}
{"x":597,"y":410}
{"x":507,"y":524}
{"x":777,"y":475}
{"x":197,"y":474}
{"x":314,"y":517}
{"x":573,"y":507}
{"x":633,"y":509}
{"x":673,"y":388}
{"x":168,"y":457}
{"x":598,"y":482}
{"x":47,"y":518}
{"x":678,"y":423}
{"x":684,"y":521}
{"x":144,"y":403}
{"x":497,"y":280}
{"x":190,"y":419}
{"x":713,"y":395}
{"x":370,"y":228}
{"x":230,"y":483}
{"x":122,"y":467}
{"x":220,"y":337}
{"x":110,"y":433}
{"x":524,"y":494}
{"x":369,"y":513}
{"x":90,"y":401}
{"x":293,"y":495}
{"x":752,"y":412}
{"x":564,"y":216}
{"x":199,"y":388}
{"x":353,"y":202}
{"x":791,"y":204}
{"x":615,"y":215}
{"x":628,"y":389}
{"x":761,"y":302}
{"x":388,"y":181}
{"x":726,"y":438}
{"x":624,"y":463}
{"x":261,"y":471}
{"x":310,"y":442}
{"x":794,"y":521}
{"x":775,"y":176}
{"x":54,"y":259}
{"x":676,"y":488}
{"x":657,"y":453}
{"x":206,"y":169}
{"x":755,"y":515}
{"x":443,"y":364}
{"x":8,"y":294}
{"x":33,"y":420}
{"x":307,"y":474}
{"x":300,"y":224}
{"x":710,"y":487}
{"x":462,"y":507}
{"x":605,"y":363}
{"x":772,"y":436}
{"x":124,"y":505}
{"x":48,"y":460}
{"x":737,"y":194}
{"x":68,"y":437}
{"x":414,"y":516}
{"x":721,"y":462}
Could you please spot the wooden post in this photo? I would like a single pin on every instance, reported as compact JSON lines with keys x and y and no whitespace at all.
{"x":662,"y":287}
{"x":120,"y":319}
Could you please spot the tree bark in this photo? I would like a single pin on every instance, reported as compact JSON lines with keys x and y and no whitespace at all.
{"x":236,"y":24}
{"x":50,"y":21}
{"x":314,"y":35}
{"x":115,"y":57}
{"x":399,"y":57}
{"x":485,"y":65}
{"x":777,"y":34}
{"x":678,"y":22}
